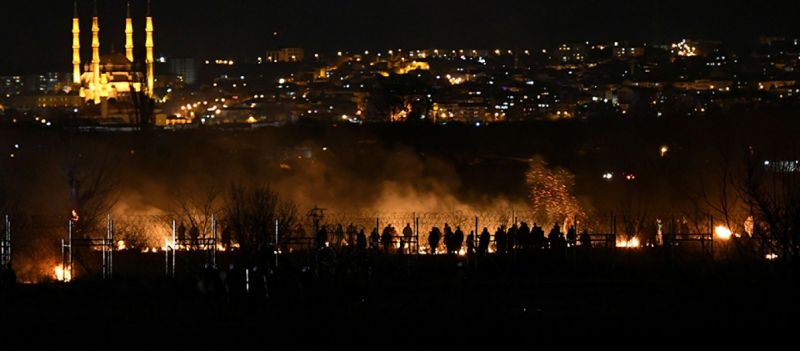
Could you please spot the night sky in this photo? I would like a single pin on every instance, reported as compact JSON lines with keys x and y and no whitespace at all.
{"x":36,"y":33}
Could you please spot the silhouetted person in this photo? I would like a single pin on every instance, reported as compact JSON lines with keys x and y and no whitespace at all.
{"x":572,"y":237}
{"x":449,"y":239}
{"x":212,"y":284}
{"x":651,"y":233}
{"x":524,"y":236}
{"x":182,"y":234}
{"x":684,"y":227}
{"x":322,"y":237}
{"x":512,"y":237}
{"x":668,"y":237}
{"x":433,"y":239}
{"x":374,"y":239}
{"x":386,"y":239}
{"x":338,"y":235}
{"x":225,"y":238}
{"x":194,"y":235}
{"x":483,"y":243}
{"x":552,"y":237}
{"x":537,"y":234}
{"x":501,"y":240}
{"x":586,"y":239}
{"x":361,"y":241}
{"x":235,"y":280}
{"x":258,"y":283}
{"x":471,"y":242}
{"x":352,"y":232}
{"x":458,"y":240}
{"x":408,"y":233}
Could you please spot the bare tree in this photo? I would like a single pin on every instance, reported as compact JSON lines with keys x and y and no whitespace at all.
{"x":252,"y":212}
{"x":771,"y":190}
{"x":197,"y":209}
{"x":132,"y":232}
{"x":92,"y":185}
{"x":716,"y":195}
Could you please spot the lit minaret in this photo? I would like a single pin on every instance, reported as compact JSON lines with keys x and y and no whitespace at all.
{"x":95,"y":46}
{"x":129,"y":34}
{"x":76,"y":47}
{"x":150,"y":59}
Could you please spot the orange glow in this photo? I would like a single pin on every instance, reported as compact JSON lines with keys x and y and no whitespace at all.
{"x":61,"y":274}
{"x":633,"y":243}
{"x":723,"y":233}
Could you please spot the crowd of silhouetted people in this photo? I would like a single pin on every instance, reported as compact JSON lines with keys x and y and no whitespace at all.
{"x":518,"y":237}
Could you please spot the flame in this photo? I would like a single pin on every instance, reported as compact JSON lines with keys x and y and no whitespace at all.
{"x":771,"y":257}
{"x":169,"y":246}
{"x":61,"y":274}
{"x":633,"y":243}
{"x":121,"y":245}
{"x":75,"y":216}
{"x":722,"y":232}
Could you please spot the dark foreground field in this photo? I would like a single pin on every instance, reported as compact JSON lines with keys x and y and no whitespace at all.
{"x":426,"y":301}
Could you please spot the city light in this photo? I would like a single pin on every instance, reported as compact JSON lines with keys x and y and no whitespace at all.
{"x":663,"y":150}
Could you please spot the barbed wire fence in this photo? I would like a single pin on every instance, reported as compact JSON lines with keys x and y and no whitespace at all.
{"x":157,"y":234}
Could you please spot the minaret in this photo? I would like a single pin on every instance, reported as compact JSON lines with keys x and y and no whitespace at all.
{"x":150,"y":59}
{"x":129,"y":34}
{"x":95,"y":47}
{"x":76,"y":47}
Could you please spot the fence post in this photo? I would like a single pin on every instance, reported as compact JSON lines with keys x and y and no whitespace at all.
{"x":111,"y":248}
{"x":69,"y":255}
{"x":416,"y":226}
{"x":214,"y":240}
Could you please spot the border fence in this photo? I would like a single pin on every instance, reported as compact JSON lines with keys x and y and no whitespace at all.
{"x":408,"y":233}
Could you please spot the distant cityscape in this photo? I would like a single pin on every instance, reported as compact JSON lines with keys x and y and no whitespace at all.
{"x":583,"y":80}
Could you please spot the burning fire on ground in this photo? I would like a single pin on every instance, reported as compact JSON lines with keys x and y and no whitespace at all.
{"x":632,"y":243}
{"x":61,"y":274}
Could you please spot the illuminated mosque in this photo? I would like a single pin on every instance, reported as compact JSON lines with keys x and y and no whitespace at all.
{"x":111,"y":76}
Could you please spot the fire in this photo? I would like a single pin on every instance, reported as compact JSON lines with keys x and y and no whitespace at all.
{"x":633,"y":243}
{"x":771,"y":257}
{"x":723,"y":232}
{"x":167,"y":245}
{"x":61,"y":274}
{"x":121,"y":245}
{"x":75,"y":216}
{"x":551,"y":191}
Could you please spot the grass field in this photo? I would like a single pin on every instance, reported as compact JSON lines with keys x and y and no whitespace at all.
{"x":426,"y":301}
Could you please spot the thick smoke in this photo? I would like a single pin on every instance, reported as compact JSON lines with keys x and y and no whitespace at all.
{"x":156,"y":177}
